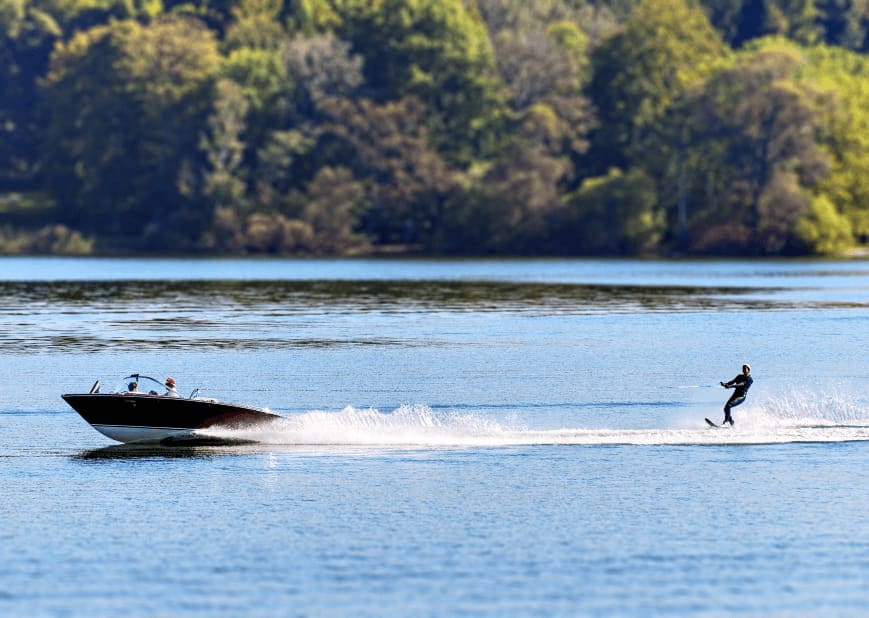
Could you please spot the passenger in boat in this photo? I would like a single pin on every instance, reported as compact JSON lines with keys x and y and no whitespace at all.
{"x":740,"y":385}
{"x":133,"y":387}
{"x":170,"y":388}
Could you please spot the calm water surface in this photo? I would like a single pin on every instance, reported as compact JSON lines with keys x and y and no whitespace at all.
{"x":468,"y":438}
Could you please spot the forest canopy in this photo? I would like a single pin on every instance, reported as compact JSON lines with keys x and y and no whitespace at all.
{"x":467,"y":127}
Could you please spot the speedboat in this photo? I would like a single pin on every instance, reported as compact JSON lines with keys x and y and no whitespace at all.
{"x":142,"y":409}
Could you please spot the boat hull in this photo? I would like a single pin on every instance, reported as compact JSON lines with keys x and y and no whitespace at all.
{"x":152,"y":418}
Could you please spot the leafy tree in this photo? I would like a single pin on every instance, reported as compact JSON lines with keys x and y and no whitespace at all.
{"x":258,"y":72}
{"x":263,"y":82}
{"x":796,"y":19}
{"x":741,"y":21}
{"x":437,"y":51}
{"x":844,"y":77}
{"x":386,"y":146}
{"x":518,"y":16}
{"x":89,"y":142}
{"x":612,"y":215}
{"x":282,"y":166}
{"x":496,"y":126}
{"x":319,"y":67}
{"x":335,"y":200}
{"x":127,"y":104}
{"x":315,"y":69}
{"x":731,"y":20}
{"x":255,"y":24}
{"x":223,"y":148}
{"x":664,"y":48}
{"x":543,"y":72}
{"x":274,"y":233}
{"x":313,"y":16}
{"x":27,"y":34}
{"x":541,"y":56}
{"x":522,"y":191}
{"x":824,"y":230}
{"x":845,"y":23}
{"x":747,"y":155}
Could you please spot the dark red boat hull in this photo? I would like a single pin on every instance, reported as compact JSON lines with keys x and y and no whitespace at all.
{"x":136,"y":418}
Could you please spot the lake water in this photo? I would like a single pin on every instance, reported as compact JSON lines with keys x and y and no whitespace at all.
{"x":461,"y":438}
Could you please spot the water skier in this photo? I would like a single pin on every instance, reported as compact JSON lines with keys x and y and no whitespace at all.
{"x":740,"y":385}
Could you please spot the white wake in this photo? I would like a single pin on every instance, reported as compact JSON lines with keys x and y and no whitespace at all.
{"x":794,"y":419}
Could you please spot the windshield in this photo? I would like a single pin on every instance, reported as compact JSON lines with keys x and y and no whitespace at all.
{"x":137,"y":383}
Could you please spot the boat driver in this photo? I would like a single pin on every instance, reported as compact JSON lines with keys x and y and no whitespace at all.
{"x":133,"y":387}
{"x":170,"y":388}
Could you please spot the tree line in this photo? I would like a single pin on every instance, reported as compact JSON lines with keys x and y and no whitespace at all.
{"x":336,"y":127}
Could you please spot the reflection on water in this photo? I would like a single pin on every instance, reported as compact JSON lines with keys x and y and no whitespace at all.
{"x":217,"y":315}
{"x":288,"y":296}
{"x":149,"y":451}
{"x":204,"y":447}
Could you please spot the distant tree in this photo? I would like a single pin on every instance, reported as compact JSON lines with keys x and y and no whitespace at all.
{"x":824,"y":230}
{"x":845,"y":23}
{"x":263,"y":23}
{"x":27,"y":35}
{"x":664,"y":48}
{"x":274,"y":233}
{"x":316,"y":69}
{"x":51,"y":239}
{"x":263,"y":81}
{"x":773,"y":147}
{"x":730,"y":19}
{"x":284,"y":162}
{"x":518,"y":15}
{"x":612,"y":215}
{"x":319,"y":68}
{"x":437,"y":51}
{"x":127,"y":105}
{"x":313,"y":16}
{"x":223,"y":186}
{"x":843,"y":77}
{"x":521,"y":192}
{"x":544,"y":74}
{"x":386,"y":147}
{"x":798,"y":20}
{"x":255,"y":24}
{"x":747,"y":156}
{"x":541,"y":56}
{"x":335,"y":201}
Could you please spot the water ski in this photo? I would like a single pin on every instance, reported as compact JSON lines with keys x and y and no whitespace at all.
{"x":710,"y":423}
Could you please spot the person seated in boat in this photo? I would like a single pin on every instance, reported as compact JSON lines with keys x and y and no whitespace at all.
{"x":170,"y":388}
{"x":133,"y":387}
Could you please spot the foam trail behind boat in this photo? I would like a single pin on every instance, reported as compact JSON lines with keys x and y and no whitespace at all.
{"x":419,"y":426}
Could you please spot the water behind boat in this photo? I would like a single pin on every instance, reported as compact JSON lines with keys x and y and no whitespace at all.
{"x":460,"y":438}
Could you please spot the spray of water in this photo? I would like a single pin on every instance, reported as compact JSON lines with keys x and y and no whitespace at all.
{"x":415,"y":425}
{"x":805,"y":408}
{"x":792,"y":418}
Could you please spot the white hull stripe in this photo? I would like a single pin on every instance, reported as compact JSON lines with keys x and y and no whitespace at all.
{"x":132,"y":433}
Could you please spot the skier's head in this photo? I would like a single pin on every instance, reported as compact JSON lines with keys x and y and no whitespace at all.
{"x":746,"y":369}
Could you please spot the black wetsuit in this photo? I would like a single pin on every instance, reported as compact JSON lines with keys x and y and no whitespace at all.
{"x":740,"y":385}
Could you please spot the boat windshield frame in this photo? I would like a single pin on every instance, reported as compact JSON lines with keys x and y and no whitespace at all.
{"x":147,"y":385}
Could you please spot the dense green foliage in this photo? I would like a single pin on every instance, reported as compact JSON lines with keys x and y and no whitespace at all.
{"x":334,"y":127}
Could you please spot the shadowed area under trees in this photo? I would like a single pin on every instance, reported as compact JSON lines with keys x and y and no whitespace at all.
{"x":465,"y":127}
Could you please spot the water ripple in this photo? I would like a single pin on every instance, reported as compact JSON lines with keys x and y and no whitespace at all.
{"x":97,"y":315}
